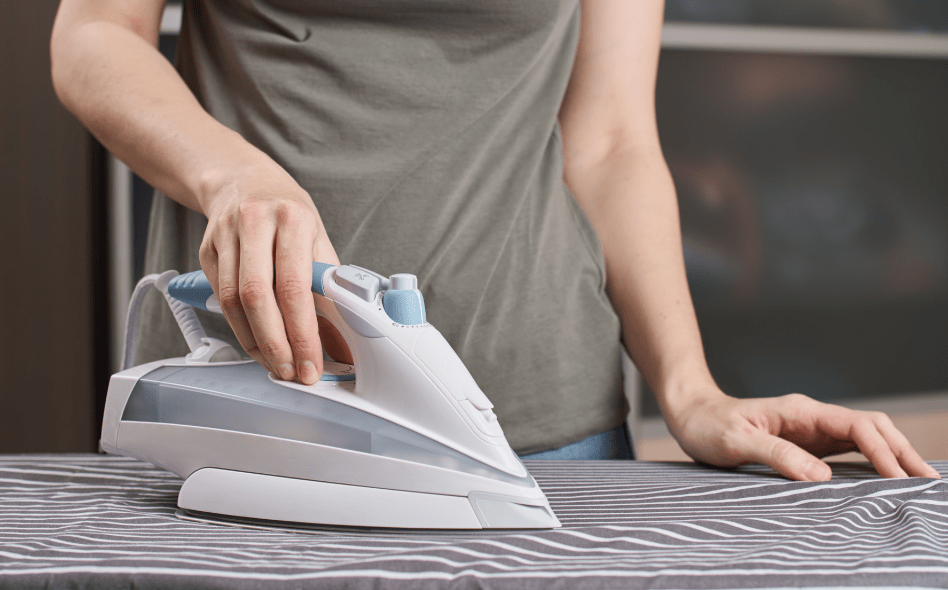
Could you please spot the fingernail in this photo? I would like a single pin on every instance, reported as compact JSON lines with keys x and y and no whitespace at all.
{"x":934,"y":472}
{"x":308,"y":372}
{"x":286,"y":371}
{"x":817,"y":472}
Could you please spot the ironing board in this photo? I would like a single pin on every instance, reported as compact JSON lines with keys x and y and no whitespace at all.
{"x":85,"y":520}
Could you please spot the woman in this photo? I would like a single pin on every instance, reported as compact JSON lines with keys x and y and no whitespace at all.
{"x":505,"y":152}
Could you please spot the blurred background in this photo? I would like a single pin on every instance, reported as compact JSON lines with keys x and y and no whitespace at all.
{"x":808,"y":143}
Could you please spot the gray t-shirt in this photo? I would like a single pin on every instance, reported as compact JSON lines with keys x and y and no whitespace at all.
{"x":426,"y":133}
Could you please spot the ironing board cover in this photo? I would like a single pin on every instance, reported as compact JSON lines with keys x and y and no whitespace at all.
{"x":83,"y":521}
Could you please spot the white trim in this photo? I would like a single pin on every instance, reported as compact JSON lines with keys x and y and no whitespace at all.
{"x":171,"y":19}
{"x":121,"y":266}
{"x":778,"y":39}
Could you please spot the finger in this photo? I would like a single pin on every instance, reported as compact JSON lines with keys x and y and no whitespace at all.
{"x":207,"y":254}
{"x":838,"y":447}
{"x":783,"y":456}
{"x":874,"y":446}
{"x":904,"y":452}
{"x":849,"y":425}
{"x":255,"y":276}
{"x":294,"y":279}
{"x":334,"y":343}
{"x":227,"y":286}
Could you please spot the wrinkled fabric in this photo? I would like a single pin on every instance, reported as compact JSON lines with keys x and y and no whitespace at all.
{"x":87,"y":521}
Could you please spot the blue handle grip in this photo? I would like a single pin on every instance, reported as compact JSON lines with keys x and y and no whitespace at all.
{"x":194,"y":289}
{"x":319,"y":269}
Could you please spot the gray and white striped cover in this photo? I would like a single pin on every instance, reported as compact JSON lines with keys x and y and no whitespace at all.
{"x":84,"y":521}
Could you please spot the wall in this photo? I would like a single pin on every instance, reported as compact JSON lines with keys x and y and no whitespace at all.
{"x":46,"y":244}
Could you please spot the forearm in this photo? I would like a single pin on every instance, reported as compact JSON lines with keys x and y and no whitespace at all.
{"x":630,"y":199}
{"x":117,"y":83}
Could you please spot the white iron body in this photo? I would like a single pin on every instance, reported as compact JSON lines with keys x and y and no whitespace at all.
{"x":411,"y":442}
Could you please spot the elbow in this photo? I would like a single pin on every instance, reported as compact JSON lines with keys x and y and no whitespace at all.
{"x":68,"y":55}
{"x":59,"y":66}
{"x":619,"y":150}
{"x":59,"y":82}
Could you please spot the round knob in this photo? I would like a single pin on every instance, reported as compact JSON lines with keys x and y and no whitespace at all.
{"x":403,"y":281}
{"x":403,"y":302}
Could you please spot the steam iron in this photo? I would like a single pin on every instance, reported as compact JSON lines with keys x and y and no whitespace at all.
{"x":403,"y":439}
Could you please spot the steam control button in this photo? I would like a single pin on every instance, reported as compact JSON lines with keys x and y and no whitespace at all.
{"x":362,"y":284}
{"x":383,"y":281}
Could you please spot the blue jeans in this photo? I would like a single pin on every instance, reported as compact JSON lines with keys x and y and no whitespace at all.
{"x":612,"y":444}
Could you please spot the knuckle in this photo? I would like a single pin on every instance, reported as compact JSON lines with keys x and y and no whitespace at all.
{"x":254,"y":293}
{"x":729,"y":446}
{"x":780,"y":452}
{"x":857,"y":427}
{"x":796,"y":398}
{"x":292,"y":213}
{"x":270,"y":349}
{"x":228,"y":220}
{"x":229,"y":298}
{"x":207,"y":252}
{"x":292,"y":288}
{"x":900,"y":452}
{"x":880,"y":418}
{"x":250,"y":212}
{"x":302,"y":344}
{"x":732,"y":442}
{"x":871,"y":451}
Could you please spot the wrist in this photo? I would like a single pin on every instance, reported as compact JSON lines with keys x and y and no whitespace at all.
{"x":243,"y":175}
{"x":233,"y":166}
{"x":684,"y":389}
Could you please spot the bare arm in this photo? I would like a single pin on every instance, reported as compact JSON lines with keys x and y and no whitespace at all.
{"x":615,"y":167}
{"x":262,"y":226}
{"x":107,"y":70}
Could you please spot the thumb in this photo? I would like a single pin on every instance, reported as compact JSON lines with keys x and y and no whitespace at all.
{"x":784,"y":457}
{"x":333,"y":342}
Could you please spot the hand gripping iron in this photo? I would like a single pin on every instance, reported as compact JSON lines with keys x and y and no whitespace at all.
{"x":404,"y":438}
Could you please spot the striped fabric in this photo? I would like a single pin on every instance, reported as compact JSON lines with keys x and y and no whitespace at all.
{"x":83,"y":521}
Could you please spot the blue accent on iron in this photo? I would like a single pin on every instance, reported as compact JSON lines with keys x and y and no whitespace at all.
{"x":192,"y":288}
{"x":319,"y":269}
{"x":405,"y":306}
{"x":346,"y":377}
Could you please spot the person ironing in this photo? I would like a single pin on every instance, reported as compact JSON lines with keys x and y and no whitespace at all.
{"x":506,"y":153}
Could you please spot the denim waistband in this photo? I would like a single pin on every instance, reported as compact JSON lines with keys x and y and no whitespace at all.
{"x":612,"y":444}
